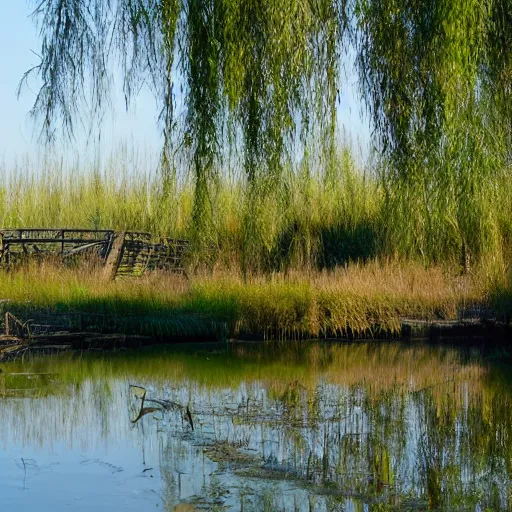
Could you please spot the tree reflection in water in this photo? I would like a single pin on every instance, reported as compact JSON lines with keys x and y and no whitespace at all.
{"x":307,"y":426}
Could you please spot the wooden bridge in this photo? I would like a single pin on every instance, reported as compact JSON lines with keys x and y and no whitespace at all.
{"x":122,"y":253}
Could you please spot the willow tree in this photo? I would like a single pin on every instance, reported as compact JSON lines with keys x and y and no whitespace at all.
{"x":260,"y":76}
{"x":437,"y":75}
{"x":256,"y":75}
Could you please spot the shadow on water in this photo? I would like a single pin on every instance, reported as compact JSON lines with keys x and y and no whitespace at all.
{"x":303,"y":426}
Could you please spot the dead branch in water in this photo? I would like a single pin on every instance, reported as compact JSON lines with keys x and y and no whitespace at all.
{"x":164,"y":405}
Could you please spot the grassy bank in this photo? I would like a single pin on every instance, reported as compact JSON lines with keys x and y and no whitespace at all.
{"x":329,"y":248}
{"x":360,"y":300}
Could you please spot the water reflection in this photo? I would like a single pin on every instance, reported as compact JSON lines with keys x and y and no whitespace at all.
{"x":308,"y":427}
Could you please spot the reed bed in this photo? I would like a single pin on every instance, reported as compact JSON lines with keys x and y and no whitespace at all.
{"x":318,"y":214}
{"x":359,"y":300}
{"x":325,"y":250}
{"x":315,"y":218}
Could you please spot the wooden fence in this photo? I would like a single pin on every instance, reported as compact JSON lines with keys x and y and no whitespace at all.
{"x":127,"y":253}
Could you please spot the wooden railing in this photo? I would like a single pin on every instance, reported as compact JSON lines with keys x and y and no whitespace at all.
{"x":137,"y":253}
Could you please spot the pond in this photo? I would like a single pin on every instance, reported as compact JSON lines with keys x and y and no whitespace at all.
{"x":305,"y":426}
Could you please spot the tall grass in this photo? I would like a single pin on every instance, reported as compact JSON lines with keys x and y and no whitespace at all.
{"x":361,"y":300}
{"x":309,"y":217}
{"x":451,"y":201}
{"x":319,"y":214}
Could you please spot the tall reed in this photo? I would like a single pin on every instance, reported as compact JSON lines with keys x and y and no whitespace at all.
{"x":310,"y":217}
{"x":319,"y":213}
{"x":360,"y":300}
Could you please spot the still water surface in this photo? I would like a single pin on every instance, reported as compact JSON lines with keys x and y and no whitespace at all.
{"x":295,"y":427}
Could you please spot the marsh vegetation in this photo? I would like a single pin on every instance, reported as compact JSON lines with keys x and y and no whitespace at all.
{"x":328,"y":259}
{"x":292,"y":236}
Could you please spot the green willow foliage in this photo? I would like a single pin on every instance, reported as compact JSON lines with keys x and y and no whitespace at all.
{"x":438,"y":76}
{"x":262,"y":77}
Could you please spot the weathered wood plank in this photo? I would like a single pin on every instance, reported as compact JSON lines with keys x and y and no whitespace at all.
{"x":139,"y":252}
{"x":115,"y":256}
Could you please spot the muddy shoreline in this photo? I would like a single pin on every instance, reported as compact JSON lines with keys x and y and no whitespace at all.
{"x":24,"y":337}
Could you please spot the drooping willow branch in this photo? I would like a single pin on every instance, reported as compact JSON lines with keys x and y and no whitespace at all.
{"x":261,"y":75}
{"x":270,"y":66}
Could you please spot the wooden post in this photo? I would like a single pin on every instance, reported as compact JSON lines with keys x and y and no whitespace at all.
{"x":115,"y":257}
{"x":14,"y":327}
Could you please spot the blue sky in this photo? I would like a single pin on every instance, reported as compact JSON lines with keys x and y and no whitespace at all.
{"x":18,"y":133}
